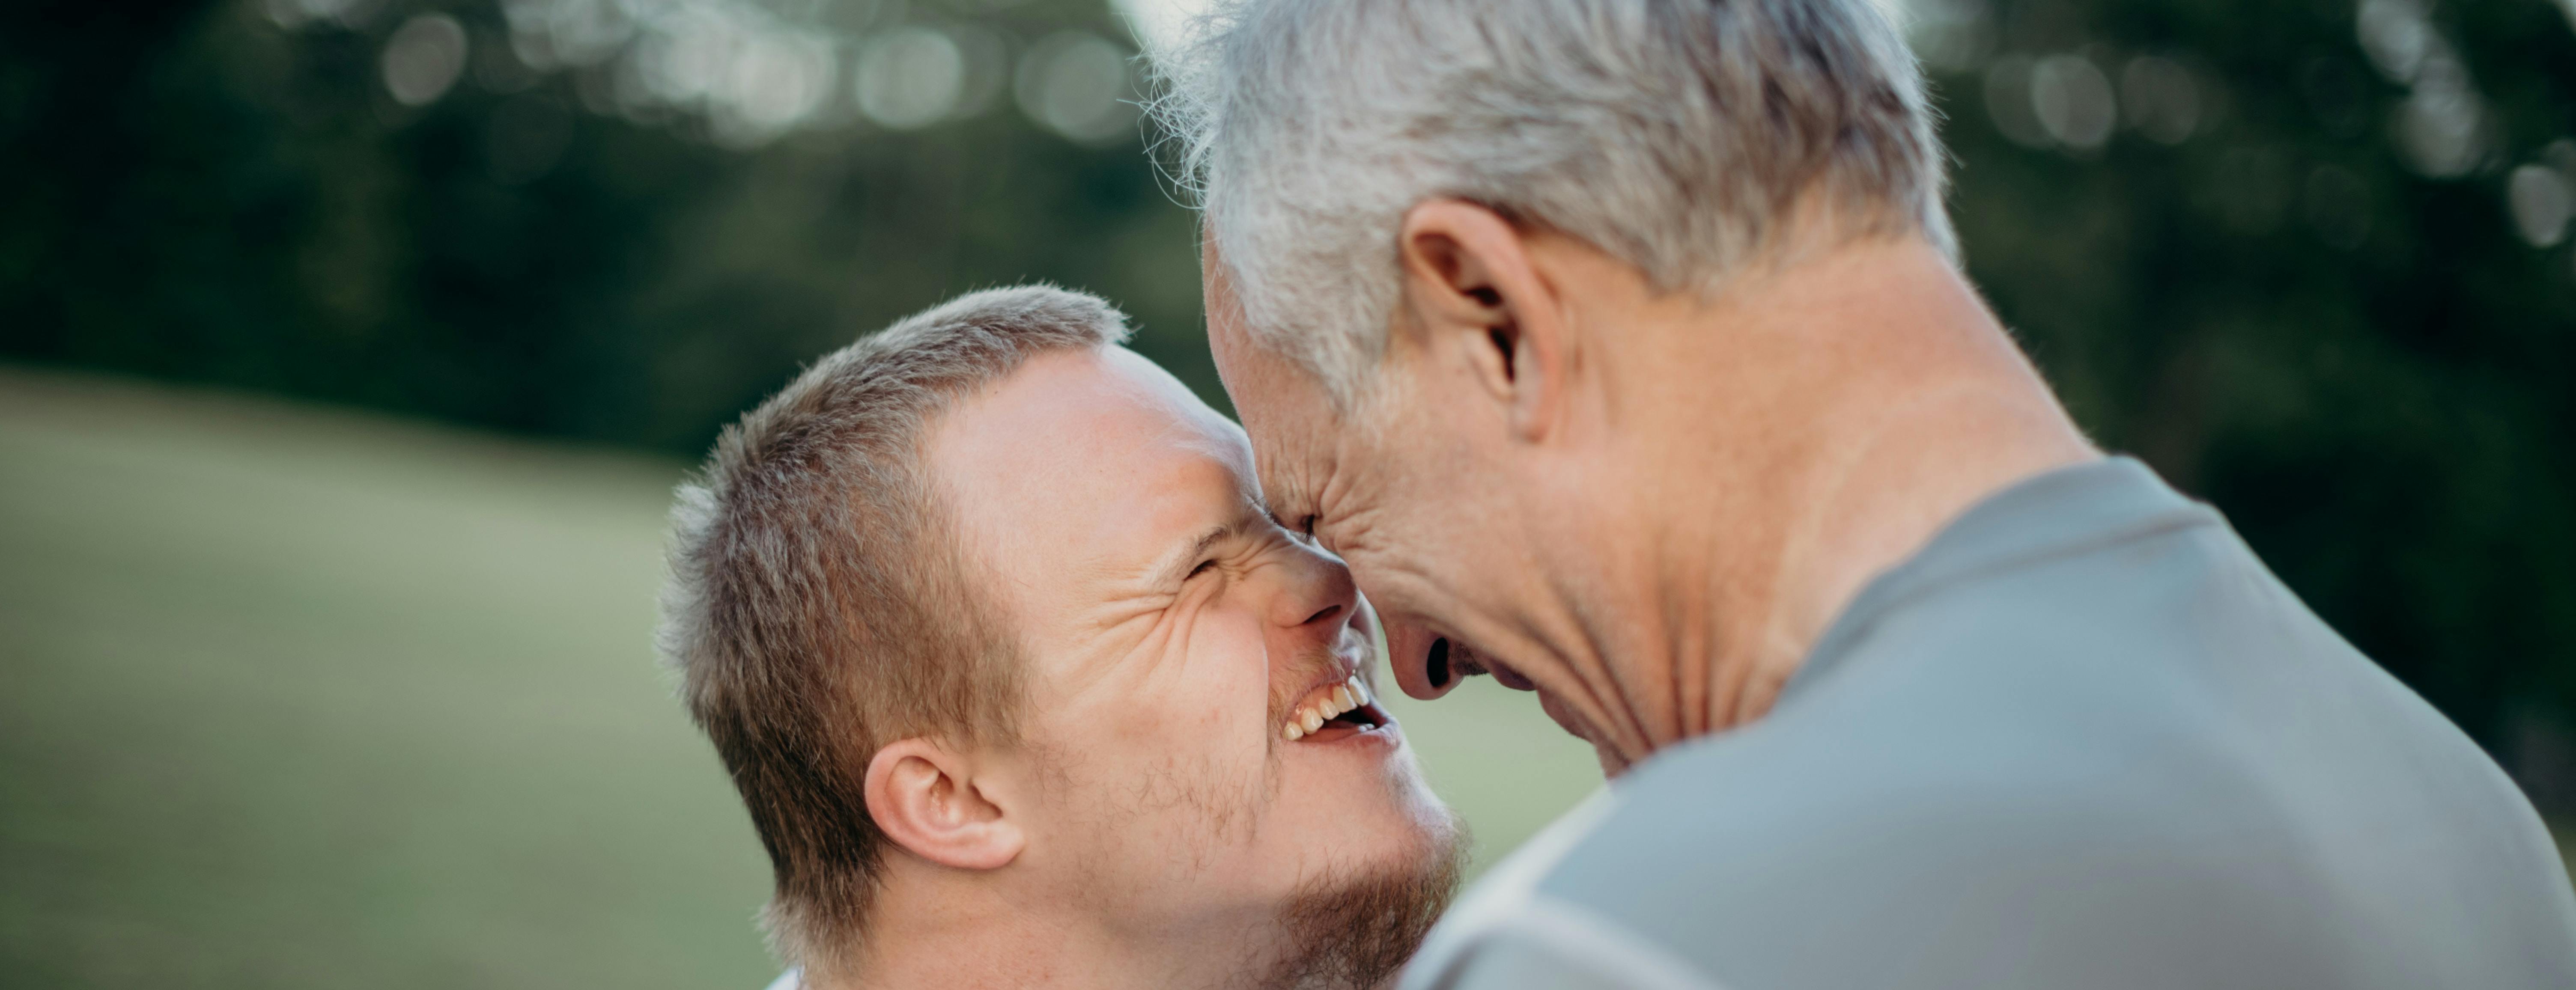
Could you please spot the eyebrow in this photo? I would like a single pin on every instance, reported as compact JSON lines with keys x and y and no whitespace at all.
{"x":1176,"y":565}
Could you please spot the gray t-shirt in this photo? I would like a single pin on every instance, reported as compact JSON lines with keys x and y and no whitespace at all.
{"x":2084,"y":739}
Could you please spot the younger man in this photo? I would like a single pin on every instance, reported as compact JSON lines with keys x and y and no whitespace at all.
{"x":1023,"y":686}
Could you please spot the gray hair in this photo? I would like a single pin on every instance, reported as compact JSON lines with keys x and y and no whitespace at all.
{"x":1684,"y":137}
{"x":817,"y":608}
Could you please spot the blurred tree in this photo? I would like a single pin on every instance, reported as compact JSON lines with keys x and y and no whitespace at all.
{"x":2277,"y":249}
{"x":2308,"y":257}
{"x":615,"y":221}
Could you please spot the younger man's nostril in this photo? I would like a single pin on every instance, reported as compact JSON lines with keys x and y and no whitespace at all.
{"x":1436,"y":666}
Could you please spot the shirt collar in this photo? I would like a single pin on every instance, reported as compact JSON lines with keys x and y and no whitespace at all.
{"x":2051,"y":514}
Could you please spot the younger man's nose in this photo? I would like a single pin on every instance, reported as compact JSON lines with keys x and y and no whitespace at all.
{"x":1315,"y":595}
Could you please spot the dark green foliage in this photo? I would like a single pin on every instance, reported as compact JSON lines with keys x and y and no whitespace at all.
{"x":2369,"y":368}
{"x":197,"y":193}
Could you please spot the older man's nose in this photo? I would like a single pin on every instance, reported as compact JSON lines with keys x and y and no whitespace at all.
{"x":1424,"y":663}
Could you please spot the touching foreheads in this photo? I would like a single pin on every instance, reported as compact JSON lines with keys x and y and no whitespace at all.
{"x":1690,"y":139}
{"x":817,"y":609}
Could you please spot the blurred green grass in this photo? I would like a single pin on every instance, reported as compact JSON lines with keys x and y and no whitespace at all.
{"x":303,"y":698}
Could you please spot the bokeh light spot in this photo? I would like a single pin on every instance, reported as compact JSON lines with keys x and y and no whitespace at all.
{"x":1076,"y":84}
{"x":2073,"y":101}
{"x":423,"y":59}
{"x":909,"y":77}
{"x":2441,"y":126}
{"x":2160,"y":98}
{"x":1950,"y":35}
{"x":2396,"y":36}
{"x":775,"y":81}
{"x":570,"y":33}
{"x":295,"y":13}
{"x":2541,"y":202}
{"x":1159,"y":24}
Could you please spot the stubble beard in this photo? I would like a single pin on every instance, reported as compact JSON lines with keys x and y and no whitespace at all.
{"x":1355,"y":932}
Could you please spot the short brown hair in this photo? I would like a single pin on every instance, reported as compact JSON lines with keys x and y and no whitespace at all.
{"x":817,"y":608}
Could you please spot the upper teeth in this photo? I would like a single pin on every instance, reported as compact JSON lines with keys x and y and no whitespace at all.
{"x":1322,"y":705}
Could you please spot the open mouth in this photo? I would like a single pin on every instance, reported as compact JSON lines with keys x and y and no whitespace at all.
{"x":1448,"y":662}
{"x":1335,"y":711}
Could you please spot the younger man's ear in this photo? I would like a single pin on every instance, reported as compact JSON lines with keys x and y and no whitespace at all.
{"x":1473,"y":291}
{"x":925,"y":798}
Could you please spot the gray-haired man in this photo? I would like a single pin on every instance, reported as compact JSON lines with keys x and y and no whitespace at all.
{"x":1619,"y":347}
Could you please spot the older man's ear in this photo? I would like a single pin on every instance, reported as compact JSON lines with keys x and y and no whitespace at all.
{"x":927,"y":799}
{"x":1474,"y":289}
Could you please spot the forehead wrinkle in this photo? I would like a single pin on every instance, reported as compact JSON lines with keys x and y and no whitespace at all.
{"x":1283,"y":487}
{"x":1306,"y":497}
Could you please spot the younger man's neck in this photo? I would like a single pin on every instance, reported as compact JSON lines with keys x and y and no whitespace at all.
{"x":936,"y":935}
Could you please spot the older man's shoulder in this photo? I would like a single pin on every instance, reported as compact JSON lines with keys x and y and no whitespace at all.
{"x":1995,"y":849}
{"x":1695,"y":875}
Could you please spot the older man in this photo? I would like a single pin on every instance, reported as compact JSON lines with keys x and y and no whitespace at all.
{"x":1023,"y":688}
{"x":1619,"y":347}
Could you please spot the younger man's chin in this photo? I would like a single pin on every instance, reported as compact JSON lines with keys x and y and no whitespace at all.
{"x":1355,"y":930}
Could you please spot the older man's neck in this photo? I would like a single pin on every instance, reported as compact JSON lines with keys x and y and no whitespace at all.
{"x":1862,"y":400}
